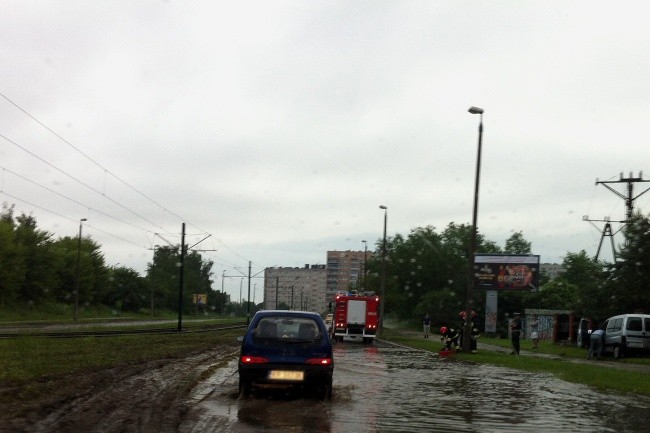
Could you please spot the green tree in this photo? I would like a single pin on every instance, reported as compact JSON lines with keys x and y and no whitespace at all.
{"x":129,"y":291}
{"x":164,"y":274}
{"x":516,"y":244}
{"x":93,"y":274}
{"x":12,"y":263}
{"x":558,"y":294}
{"x":629,"y":282}
{"x":428,"y":272}
{"x":41,"y":261}
{"x":587,"y":276}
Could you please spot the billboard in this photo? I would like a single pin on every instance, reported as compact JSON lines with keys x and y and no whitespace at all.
{"x":200,"y":298}
{"x":506,"y":272}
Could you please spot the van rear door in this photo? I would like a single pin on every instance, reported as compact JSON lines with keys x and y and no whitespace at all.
{"x":634,"y":332}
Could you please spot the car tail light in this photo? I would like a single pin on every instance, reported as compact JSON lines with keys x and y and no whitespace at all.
{"x":319,"y":361}
{"x":253,"y":360}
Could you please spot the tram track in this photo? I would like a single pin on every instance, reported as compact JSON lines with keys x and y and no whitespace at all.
{"x":115,"y":332}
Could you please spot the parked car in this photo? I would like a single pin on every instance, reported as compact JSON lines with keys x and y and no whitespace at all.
{"x":286,"y":349}
{"x":627,"y":333}
{"x":329,"y":321}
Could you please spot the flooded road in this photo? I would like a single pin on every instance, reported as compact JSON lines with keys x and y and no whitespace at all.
{"x":386,"y":388}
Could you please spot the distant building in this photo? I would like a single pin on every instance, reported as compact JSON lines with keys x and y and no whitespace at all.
{"x":344,"y":270}
{"x":296,"y":288}
{"x":551,"y":270}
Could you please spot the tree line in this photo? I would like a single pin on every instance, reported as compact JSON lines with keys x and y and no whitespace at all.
{"x":428,"y":272}
{"x":36,"y":267}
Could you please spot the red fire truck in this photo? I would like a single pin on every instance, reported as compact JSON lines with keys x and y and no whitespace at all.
{"x":356,"y":316}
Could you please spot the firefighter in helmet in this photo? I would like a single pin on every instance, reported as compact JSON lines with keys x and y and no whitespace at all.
{"x":449,"y":336}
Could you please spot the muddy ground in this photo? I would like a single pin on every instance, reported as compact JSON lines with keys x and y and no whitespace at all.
{"x":144,"y":398}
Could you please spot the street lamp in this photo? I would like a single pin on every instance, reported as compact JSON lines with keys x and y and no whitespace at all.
{"x":365,"y":260}
{"x":382,"y":286}
{"x":472,"y":242}
{"x":76,"y":284}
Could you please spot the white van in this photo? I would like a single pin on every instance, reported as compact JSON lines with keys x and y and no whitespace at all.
{"x":627,"y":333}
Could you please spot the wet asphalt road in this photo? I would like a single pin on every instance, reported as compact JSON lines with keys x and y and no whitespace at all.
{"x":388,"y":388}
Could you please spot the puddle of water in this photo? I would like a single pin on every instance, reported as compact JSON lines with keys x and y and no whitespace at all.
{"x":422,"y":393}
{"x":391,"y":389}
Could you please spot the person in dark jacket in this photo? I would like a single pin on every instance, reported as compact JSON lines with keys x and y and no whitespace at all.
{"x":474,"y":332}
{"x":426,"y":324}
{"x":515,"y":330}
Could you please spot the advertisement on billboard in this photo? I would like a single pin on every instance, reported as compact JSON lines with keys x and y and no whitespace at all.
{"x":506,"y":272}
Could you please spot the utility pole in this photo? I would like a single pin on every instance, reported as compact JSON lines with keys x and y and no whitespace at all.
{"x":629,"y":206}
{"x":181,"y":280}
{"x":277,"y":289}
{"x":248,"y":300}
{"x":153,"y":279}
{"x":78,"y":276}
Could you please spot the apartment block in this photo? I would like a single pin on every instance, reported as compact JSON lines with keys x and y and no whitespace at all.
{"x":345,"y":270}
{"x":296,"y":288}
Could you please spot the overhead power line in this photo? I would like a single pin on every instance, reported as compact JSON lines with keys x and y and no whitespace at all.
{"x":75,"y":201}
{"x":69,"y":219}
{"x":107,"y":171}
{"x":95,"y":190}
{"x":89,"y":158}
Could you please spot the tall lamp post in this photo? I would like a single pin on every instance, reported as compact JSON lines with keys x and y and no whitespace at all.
{"x":76,"y":283}
{"x":365,"y":261}
{"x":472,"y":242}
{"x":382,"y":284}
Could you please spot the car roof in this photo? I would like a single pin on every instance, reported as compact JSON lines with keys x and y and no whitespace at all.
{"x":630,"y":315}
{"x":268,"y":313}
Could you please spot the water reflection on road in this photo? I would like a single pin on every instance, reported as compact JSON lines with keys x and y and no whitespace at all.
{"x":386,"y":388}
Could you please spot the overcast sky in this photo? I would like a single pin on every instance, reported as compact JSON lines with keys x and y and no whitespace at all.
{"x":279,"y":127}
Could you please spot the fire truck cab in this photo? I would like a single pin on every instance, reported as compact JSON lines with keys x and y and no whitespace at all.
{"x":356,"y":316}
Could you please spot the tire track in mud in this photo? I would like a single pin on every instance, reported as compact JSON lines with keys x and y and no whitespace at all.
{"x":146,"y":398}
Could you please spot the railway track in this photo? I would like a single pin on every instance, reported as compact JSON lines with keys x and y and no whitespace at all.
{"x":115,"y":333}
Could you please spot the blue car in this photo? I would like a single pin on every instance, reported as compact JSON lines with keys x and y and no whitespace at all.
{"x":286,"y":349}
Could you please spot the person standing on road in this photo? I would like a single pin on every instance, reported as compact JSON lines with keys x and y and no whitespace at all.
{"x":426,"y":323}
{"x":515,"y":330}
{"x":534,"y":331}
{"x":596,"y":343}
{"x":474,"y":332}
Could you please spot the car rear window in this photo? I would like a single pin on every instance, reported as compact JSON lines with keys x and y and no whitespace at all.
{"x":299,"y":329}
{"x":614,"y":325}
{"x":634,"y":324}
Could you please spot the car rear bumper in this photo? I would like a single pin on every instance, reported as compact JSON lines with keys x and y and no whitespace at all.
{"x":260,"y":374}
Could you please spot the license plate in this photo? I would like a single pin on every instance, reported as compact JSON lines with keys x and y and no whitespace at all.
{"x":286,"y":375}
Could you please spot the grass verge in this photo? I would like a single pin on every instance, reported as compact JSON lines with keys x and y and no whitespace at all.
{"x":598,"y":376}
